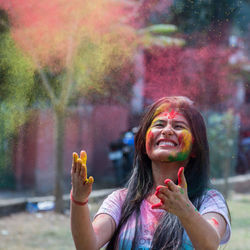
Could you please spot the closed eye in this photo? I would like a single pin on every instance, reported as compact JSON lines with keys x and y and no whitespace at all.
{"x":179,"y":127}
{"x":158,"y":125}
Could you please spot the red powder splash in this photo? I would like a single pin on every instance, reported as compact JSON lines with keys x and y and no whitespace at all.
{"x":43,"y":29}
{"x":199,"y":73}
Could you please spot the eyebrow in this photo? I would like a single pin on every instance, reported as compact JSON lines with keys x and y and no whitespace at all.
{"x":181,"y":122}
{"x":176,"y":121}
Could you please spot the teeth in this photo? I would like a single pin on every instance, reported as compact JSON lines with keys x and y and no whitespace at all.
{"x":164,"y":143}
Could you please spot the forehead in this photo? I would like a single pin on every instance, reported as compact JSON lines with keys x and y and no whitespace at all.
{"x":170,"y":115}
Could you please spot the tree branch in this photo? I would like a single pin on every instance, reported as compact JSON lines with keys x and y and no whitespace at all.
{"x":67,"y":84}
{"x":46,"y":85}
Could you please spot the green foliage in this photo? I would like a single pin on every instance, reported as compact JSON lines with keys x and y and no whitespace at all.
{"x":197,"y":15}
{"x":222,"y":130}
{"x":242,"y":18}
{"x":16,"y":81}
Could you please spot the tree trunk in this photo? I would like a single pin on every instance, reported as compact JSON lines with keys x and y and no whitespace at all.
{"x":59,"y":152}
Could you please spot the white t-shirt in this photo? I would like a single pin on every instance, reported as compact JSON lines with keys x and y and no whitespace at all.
{"x":212,"y":202}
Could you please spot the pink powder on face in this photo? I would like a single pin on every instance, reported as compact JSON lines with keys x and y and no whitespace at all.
{"x":170,"y":115}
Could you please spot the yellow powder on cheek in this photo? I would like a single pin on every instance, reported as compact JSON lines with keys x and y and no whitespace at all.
{"x":186,"y":141}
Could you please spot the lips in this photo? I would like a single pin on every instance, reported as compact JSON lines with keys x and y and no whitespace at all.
{"x":166,"y":143}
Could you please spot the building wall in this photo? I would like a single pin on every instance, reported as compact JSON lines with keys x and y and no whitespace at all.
{"x":91,"y":129}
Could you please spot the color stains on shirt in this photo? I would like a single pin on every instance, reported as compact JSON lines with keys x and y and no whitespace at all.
{"x":215,"y":222}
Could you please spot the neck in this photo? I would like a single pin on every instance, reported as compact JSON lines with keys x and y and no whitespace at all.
{"x":165,"y":170}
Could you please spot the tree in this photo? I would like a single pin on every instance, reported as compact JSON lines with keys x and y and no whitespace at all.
{"x":80,"y":41}
{"x":16,"y":81}
{"x":205,"y":20}
{"x":74,"y":45}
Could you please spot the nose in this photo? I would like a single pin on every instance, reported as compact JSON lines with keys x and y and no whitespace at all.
{"x":168,"y":130}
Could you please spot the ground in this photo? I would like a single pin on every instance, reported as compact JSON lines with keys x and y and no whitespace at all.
{"x":47,"y":230}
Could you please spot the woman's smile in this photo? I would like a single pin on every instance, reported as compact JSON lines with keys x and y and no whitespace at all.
{"x":169,"y":137}
{"x":166,"y":143}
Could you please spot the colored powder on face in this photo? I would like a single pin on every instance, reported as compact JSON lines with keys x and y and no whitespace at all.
{"x":172,"y":114}
{"x":149,"y":138}
{"x":162,"y":108}
{"x":181,"y":156}
{"x":186,"y":140}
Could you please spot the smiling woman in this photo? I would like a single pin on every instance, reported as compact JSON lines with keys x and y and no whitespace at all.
{"x":167,"y":203}
{"x":169,"y":135}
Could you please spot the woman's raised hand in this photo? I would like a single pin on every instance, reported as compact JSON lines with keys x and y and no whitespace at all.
{"x":81,"y":185}
{"x":174,"y":198}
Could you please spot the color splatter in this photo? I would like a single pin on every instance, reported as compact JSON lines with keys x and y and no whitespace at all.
{"x":157,"y":205}
{"x":82,"y":160}
{"x":149,"y":138}
{"x":185,"y":141}
{"x":216,"y":223}
{"x":181,"y":191}
{"x":179,"y":175}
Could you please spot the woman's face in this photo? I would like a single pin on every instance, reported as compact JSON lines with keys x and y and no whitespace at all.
{"x":169,"y":137}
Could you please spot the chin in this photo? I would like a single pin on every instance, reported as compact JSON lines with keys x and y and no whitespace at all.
{"x":161,"y":157}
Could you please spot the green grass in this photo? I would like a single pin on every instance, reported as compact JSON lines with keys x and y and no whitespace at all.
{"x":52,"y":231}
{"x":240,"y":213}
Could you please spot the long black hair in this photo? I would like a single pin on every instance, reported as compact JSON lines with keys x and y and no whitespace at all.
{"x":168,"y":234}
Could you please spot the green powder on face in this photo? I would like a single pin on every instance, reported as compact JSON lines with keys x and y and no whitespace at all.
{"x":181,"y":156}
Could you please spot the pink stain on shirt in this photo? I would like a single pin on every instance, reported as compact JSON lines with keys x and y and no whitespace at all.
{"x":216,"y":223}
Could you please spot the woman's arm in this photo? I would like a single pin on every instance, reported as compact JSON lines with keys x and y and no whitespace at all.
{"x":81,"y":227}
{"x":90,"y":236}
{"x":205,"y":231}
{"x":86,"y":236}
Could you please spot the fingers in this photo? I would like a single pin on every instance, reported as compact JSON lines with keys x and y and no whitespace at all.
{"x":90,"y":180}
{"x":74,"y":161}
{"x":181,"y":178}
{"x":158,"y":205}
{"x":83,"y":156}
{"x":162,"y":191}
{"x":79,"y":167}
{"x":171,"y":186}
